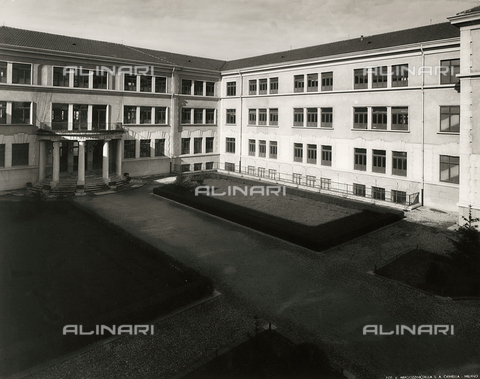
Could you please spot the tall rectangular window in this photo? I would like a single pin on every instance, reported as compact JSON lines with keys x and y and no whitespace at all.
{"x":379,"y":160}
{"x":130,"y":83}
{"x":81,"y":78}
{"x":312,"y":82}
{"x":230,"y":146}
{"x":129,"y":114}
{"x":326,"y":118}
{"x":145,"y":83}
{"x":210,"y":116}
{"x":61,"y":78}
{"x":129,"y":148}
{"x":22,"y":73}
{"x":80,"y":117}
{"x":360,"y":78}
{"x":273,"y":150}
{"x":231,"y":89}
{"x":379,"y":77}
{"x":144,"y":148}
{"x":198,"y":88}
{"x":160,"y":147}
{"x":186,"y":87}
{"x":145,"y":115}
{"x":360,"y":161}
{"x":400,"y":75}
{"x":449,"y":169}
{"x":399,"y":163}
{"x":449,"y":70}
{"x":59,"y":116}
{"x":21,"y":112}
{"x":327,"y":81}
{"x":197,"y":145}
{"x":274,"y":116}
{"x":3,"y":72}
{"x":262,"y":148}
{"x":20,"y":154}
{"x":378,"y":193}
{"x":399,"y":118}
{"x":3,"y":112}
{"x":263,"y":86}
{"x":160,"y":84}
{"x":186,"y":115}
{"x":251,"y":147}
{"x":198,"y":116}
{"x":360,"y":118}
{"x":273,"y":85}
{"x":298,"y":152}
{"x":252,"y":117}
{"x":326,"y":155}
{"x":210,"y":88}
{"x":231,"y":116}
{"x":298,"y":117}
{"x":312,"y":117}
{"x":450,"y":119}
{"x":325,"y":183}
{"x":185,"y":146}
{"x":160,"y":115}
{"x":399,"y":197}
{"x":262,"y":117}
{"x":299,"y":83}
{"x":209,"y":144}
{"x":252,"y":87}
{"x":100,"y":79}
{"x":297,"y":178}
{"x":312,"y":154}
{"x":2,"y":155}
{"x":310,"y":180}
{"x":379,"y":118}
{"x":359,"y":189}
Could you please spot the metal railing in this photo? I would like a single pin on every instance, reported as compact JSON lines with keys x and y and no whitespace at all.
{"x":65,"y":126}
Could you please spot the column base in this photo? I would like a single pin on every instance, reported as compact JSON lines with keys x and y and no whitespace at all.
{"x":53,"y":184}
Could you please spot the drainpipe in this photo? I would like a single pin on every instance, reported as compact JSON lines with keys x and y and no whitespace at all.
{"x":423,"y":124}
{"x":173,"y":110}
{"x":241,"y":120}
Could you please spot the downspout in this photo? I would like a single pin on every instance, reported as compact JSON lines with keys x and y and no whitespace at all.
{"x":172,"y":120}
{"x":241,"y":121}
{"x":423,"y":125}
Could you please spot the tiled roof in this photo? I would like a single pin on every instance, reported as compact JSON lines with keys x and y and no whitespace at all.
{"x":472,"y":10}
{"x":47,"y":41}
{"x":398,"y":38}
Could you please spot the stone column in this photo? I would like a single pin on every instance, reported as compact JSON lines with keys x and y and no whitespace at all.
{"x":119,"y":157}
{"x":105,"y":163}
{"x":42,"y":161}
{"x":56,"y":164}
{"x":81,"y":166}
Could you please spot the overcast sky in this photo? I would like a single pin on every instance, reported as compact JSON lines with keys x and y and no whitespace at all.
{"x":225,"y":29}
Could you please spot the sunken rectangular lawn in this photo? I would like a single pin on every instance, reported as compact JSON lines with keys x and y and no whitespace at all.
{"x":62,"y":266}
{"x":310,"y":219}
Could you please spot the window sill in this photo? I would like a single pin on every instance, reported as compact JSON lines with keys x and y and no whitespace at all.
{"x":380,"y":130}
{"x":182,"y":124}
{"x":449,"y":133}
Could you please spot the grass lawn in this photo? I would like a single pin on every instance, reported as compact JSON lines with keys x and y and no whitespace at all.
{"x":307,"y":219}
{"x":59,"y":266}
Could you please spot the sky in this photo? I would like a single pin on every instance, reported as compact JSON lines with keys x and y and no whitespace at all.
{"x":225,"y":29}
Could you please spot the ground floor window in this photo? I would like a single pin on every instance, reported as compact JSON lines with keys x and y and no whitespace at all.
{"x":449,"y":169}
{"x":209,"y":166}
{"x":261,"y":171}
{"x":185,"y":167}
{"x":144,"y":148}
{"x":297,"y":178}
{"x":2,"y":155}
{"x":160,"y":147}
{"x":378,"y":193}
{"x":197,"y":167}
{"x":272,"y":174}
{"x":359,"y":189}
{"x":311,"y":181}
{"x":129,"y":148}
{"x":229,"y":166}
{"x":20,"y":154}
{"x":325,"y":183}
{"x":399,"y":197}
{"x":251,"y":170}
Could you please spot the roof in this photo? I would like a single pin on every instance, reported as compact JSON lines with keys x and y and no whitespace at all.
{"x":398,"y":38}
{"x":55,"y":42}
{"x":471,"y":10}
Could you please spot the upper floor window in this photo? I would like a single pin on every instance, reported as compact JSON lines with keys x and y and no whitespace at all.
{"x":262,"y":117}
{"x":198,"y":88}
{"x":210,"y":116}
{"x":252,"y":87}
{"x":3,"y":112}
{"x":145,"y":115}
{"x":273,"y":85}
{"x":298,"y":152}
{"x":231,"y":116}
{"x":186,"y":115}
{"x":129,"y":115}
{"x":60,"y":77}
{"x":22,"y":73}
{"x":399,"y":163}
{"x":160,"y":84}
{"x":299,"y":83}
{"x":274,"y":116}
{"x":230,"y":145}
{"x":379,"y":118}
{"x":130,"y":83}
{"x":59,"y":116}
{"x":298,"y":117}
{"x":145,"y":83}
{"x":273,"y":150}
{"x":252,"y":116}
{"x":100,"y":79}
{"x":326,"y":155}
{"x":231,"y":89}
{"x":3,"y":72}
{"x":262,"y":148}
{"x":251,"y":147}
{"x":21,"y":112}
{"x":210,"y":89}
{"x":449,"y":69}
{"x":379,"y":77}
{"x":326,"y":118}
{"x":198,"y":116}
{"x":360,"y":78}
{"x":312,"y":154}
{"x":312,"y":117}
{"x":161,"y":115}
{"x":185,"y":145}
{"x":327,"y":81}
{"x":379,"y":159}
{"x":449,"y":169}
{"x":209,"y":144}
{"x":312,"y":82}
{"x":360,"y":118}
{"x":263,"y":86}
{"x":81,"y":78}
{"x":450,"y":119}
{"x":360,"y":161}
{"x":400,"y":75}
{"x":186,"y":87}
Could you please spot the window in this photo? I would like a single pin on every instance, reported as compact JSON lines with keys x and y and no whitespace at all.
{"x":186,"y":115}
{"x":60,"y":77}
{"x":379,"y":118}
{"x":2,"y":155}
{"x":399,"y":163}
{"x":20,"y":154}
{"x":400,"y":75}
{"x":273,"y":149}
{"x":210,"y":116}
{"x":272,"y":174}
{"x":325,"y":183}
{"x":379,"y":160}
{"x":3,"y":72}
{"x":145,"y":83}
{"x":326,"y":155}
{"x":299,"y":83}
{"x":251,"y":147}
{"x":99,"y":117}
{"x":129,"y":148}
{"x":145,"y":115}
{"x":310,"y":180}
{"x":198,"y":116}
{"x":262,"y":149}
{"x":208,"y":165}
{"x":197,"y":145}
{"x":231,"y":89}
{"x":449,"y":69}
{"x":160,"y":147}
{"x":231,"y":116}
{"x":261,"y":172}
{"x":312,"y":82}
{"x":230,"y":147}
{"x":22,"y":73}
{"x":359,"y":189}
{"x":327,"y":81}
{"x":197,"y":167}
{"x":129,"y":115}
{"x":3,"y":112}
{"x":144,"y":148}
{"x":80,"y":117}
{"x":360,"y":162}
{"x":81,"y":78}
{"x":252,"y":116}
{"x":450,"y":119}
{"x":252,"y":87}
{"x":209,"y":144}
{"x":229,"y":166}
{"x":251,"y":170}
{"x":198,"y":88}
{"x":130,"y":83}
{"x":262,"y":117}
{"x":312,"y":154}
{"x":399,"y":197}
{"x":298,"y":117}
{"x":185,"y":145}
{"x":326,"y":118}
{"x":297,"y":178}
{"x":59,"y":116}
{"x":160,"y":84}
{"x":100,"y":79}
{"x":274,"y":116}
{"x":160,"y":115}
{"x":399,"y":118}
{"x":378,"y":193}
{"x":263,"y":86}
{"x":210,"y":89}
{"x":273,"y":85}
{"x":449,"y":169}
{"x":312,"y":117}
{"x":185,"y":167}
{"x":360,"y":118}
{"x":186,"y":87}
{"x":379,"y":77}
{"x":360,"y":78}
{"x":21,"y":113}
{"x":298,"y":152}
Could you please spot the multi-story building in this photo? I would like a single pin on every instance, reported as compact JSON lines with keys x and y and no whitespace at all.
{"x":389,"y":117}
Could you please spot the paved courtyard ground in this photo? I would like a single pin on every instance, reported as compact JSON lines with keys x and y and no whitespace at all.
{"x":326,"y":298}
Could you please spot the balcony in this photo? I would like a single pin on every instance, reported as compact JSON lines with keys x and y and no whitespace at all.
{"x":81,"y":129}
